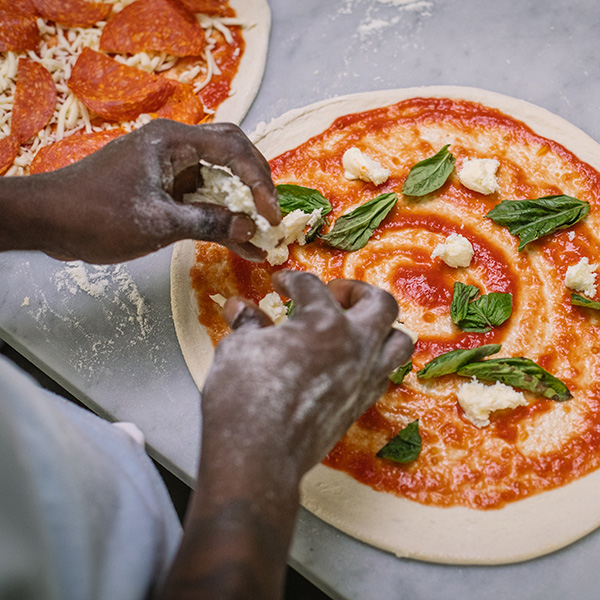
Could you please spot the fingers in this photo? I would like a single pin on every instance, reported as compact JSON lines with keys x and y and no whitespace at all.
{"x":309,"y":293}
{"x":367,"y":306}
{"x":241,"y":312}
{"x":225,"y":144}
{"x":212,"y":223}
{"x":246,"y":251}
{"x":222,"y":144}
{"x":186,"y":182}
{"x":397,"y":350}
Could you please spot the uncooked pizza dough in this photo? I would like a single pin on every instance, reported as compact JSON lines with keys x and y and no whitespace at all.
{"x":256,"y":16}
{"x":519,"y":530}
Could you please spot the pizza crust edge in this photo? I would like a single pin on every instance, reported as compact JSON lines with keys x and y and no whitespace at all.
{"x":519,"y":531}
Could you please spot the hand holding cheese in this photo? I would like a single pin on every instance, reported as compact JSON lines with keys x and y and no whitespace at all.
{"x":286,"y":395}
{"x":122,"y":202}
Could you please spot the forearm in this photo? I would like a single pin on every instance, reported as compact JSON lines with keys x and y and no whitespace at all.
{"x":238,"y":530}
{"x":27,"y":209}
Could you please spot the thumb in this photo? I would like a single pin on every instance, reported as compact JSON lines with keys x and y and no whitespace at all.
{"x":213,"y":223}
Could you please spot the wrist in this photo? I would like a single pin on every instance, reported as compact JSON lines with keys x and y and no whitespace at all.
{"x":237,"y":532}
{"x":27,"y":206}
{"x":268,"y":480}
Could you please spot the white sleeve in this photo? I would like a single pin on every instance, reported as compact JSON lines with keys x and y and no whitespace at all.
{"x":83,"y":512}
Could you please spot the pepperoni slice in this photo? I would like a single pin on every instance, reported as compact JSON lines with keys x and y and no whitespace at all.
{"x":160,"y":25}
{"x":209,"y":7}
{"x":9,"y":148}
{"x":73,"y":13}
{"x":115,"y":91}
{"x":24,"y":7}
{"x":18,"y":31}
{"x":35,"y":100}
{"x":71,"y":149}
{"x":183,"y":105}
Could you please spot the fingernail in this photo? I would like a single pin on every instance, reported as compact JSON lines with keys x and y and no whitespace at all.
{"x":241,"y":229}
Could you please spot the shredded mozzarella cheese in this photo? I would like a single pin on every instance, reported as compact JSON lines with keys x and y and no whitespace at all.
{"x":57,"y":53}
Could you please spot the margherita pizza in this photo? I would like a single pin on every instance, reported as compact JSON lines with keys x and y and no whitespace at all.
{"x":75,"y":74}
{"x":480,"y":214}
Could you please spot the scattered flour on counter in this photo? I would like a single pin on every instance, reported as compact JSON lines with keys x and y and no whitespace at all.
{"x":105,"y":324}
{"x":381,"y":15}
{"x":408,"y":4}
{"x":368,"y":27}
{"x":112,"y":283}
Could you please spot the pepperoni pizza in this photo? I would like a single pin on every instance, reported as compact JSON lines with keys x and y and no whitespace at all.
{"x":75,"y":74}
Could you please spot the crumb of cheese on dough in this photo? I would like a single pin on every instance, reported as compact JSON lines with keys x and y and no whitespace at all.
{"x":220,"y":186}
{"x":293,"y":226}
{"x":219,"y":299}
{"x":272,"y":305}
{"x":479,"y":400}
{"x":479,"y":175}
{"x":360,"y":166}
{"x":455,"y":251}
{"x":582,"y":277}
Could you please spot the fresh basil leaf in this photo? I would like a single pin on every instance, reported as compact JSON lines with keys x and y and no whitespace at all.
{"x":430,"y":174}
{"x":290,"y":308}
{"x":352,"y":231}
{"x":452,"y":361}
{"x":486,"y":312}
{"x":532,"y":219}
{"x":481,"y":315}
{"x":463,"y":294}
{"x":404,"y":447}
{"x":520,"y":373}
{"x":296,"y":197}
{"x":577,"y":300}
{"x":400,"y":373}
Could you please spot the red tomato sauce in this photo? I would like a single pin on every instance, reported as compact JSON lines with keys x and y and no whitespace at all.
{"x":460,"y":464}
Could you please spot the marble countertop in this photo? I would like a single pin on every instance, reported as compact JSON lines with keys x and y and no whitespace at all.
{"x":106,"y":333}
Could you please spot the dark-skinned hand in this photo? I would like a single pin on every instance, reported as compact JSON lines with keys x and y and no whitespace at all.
{"x":124,"y":201}
{"x":275,"y":401}
{"x":311,"y":377}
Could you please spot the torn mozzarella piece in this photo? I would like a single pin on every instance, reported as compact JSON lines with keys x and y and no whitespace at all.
{"x":272,"y":305}
{"x":220,"y":186}
{"x":479,"y":175}
{"x":455,"y":251}
{"x":219,"y":299}
{"x":479,"y":400}
{"x":582,"y":277}
{"x":360,"y":166}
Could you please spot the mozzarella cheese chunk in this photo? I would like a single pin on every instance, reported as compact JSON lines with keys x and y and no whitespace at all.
{"x":360,"y":166}
{"x":220,"y":186}
{"x":218,"y":299}
{"x":582,"y":277}
{"x":479,"y":400}
{"x":479,"y":175}
{"x":272,"y":305}
{"x":455,"y":251}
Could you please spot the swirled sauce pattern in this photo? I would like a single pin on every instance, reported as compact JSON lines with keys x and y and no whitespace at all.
{"x":524,"y":451}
